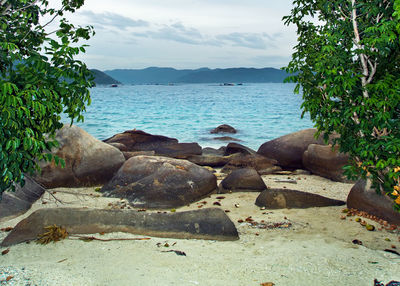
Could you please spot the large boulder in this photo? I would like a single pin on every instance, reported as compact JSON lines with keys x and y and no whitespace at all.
{"x":136,"y":140}
{"x":224,"y":128}
{"x":283,"y":198}
{"x":325,"y":162}
{"x":288,"y":150}
{"x":15,"y":203}
{"x":233,"y":148}
{"x":240,"y":160}
{"x":364,"y":198}
{"x":209,"y":223}
{"x":88,"y":161}
{"x":160,"y":182}
{"x":209,"y":160}
{"x":243,"y":180}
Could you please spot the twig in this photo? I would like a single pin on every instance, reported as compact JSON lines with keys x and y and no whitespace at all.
{"x":90,"y":238}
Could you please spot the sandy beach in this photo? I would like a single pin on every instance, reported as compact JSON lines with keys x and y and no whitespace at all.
{"x":310,"y":247}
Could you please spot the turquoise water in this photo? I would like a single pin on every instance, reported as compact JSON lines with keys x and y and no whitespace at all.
{"x":260,"y":112}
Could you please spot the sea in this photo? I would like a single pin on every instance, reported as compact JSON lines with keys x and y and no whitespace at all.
{"x":188,"y":112}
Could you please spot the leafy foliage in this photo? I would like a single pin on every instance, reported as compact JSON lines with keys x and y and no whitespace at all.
{"x":39,"y":79}
{"x":347,"y":62}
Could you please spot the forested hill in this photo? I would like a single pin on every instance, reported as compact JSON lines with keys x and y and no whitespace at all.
{"x":102,"y":78}
{"x":155,"y":75}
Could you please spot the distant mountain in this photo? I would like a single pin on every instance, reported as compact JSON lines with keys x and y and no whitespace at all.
{"x":155,"y":75}
{"x":102,"y":78}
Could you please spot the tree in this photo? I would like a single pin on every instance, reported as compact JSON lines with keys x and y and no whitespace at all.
{"x":347,"y":63}
{"x":39,"y":79}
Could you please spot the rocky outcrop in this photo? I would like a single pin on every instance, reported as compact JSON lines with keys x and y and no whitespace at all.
{"x":254,"y":161}
{"x":200,"y":224}
{"x":209,"y":160}
{"x":364,"y":198}
{"x":243,"y":180}
{"x":136,"y":140}
{"x":88,"y":161}
{"x":16,"y":203}
{"x":325,"y":162}
{"x":160,"y":182}
{"x":288,"y":150}
{"x":224,"y":128}
{"x":233,"y":148}
{"x":283,"y":198}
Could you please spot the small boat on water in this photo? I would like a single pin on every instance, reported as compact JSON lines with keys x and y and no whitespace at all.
{"x":114,"y":85}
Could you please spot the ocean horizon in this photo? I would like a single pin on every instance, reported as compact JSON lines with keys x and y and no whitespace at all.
{"x":188,"y":112}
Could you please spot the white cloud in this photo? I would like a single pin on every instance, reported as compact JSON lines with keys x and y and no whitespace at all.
{"x":186,"y":33}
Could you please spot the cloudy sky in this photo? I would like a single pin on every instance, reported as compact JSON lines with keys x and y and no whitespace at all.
{"x":186,"y":33}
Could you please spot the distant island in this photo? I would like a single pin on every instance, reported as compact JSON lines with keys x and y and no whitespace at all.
{"x":102,"y":78}
{"x":157,"y":75}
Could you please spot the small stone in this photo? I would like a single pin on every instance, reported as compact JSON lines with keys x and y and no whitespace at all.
{"x":370,"y":227}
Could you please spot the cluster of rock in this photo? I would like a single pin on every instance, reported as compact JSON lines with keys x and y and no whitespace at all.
{"x":153,"y":171}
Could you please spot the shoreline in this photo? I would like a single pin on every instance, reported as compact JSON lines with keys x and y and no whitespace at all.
{"x":316,"y":249}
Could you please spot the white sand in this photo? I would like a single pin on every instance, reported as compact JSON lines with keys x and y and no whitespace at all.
{"x":316,"y":250}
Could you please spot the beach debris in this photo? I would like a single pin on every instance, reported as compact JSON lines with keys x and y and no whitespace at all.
{"x":393,"y":246}
{"x":358,"y":242}
{"x":391,"y":283}
{"x":262,"y":208}
{"x":4,"y":252}
{"x":220,"y":198}
{"x":9,"y":278}
{"x":217,"y":204}
{"x":370,"y":227}
{"x":91,"y":238}
{"x":97,"y":189}
{"x":290,"y":181}
{"x":166,"y":244}
{"x":392,"y":251}
{"x":373,"y":262}
{"x":267,"y":284}
{"x":7,"y":229}
{"x":53,"y":233}
{"x":227,"y":211}
{"x":177,"y":252}
{"x":237,"y":205}
{"x":384,"y":224}
{"x":62,"y":260}
{"x":173,"y":210}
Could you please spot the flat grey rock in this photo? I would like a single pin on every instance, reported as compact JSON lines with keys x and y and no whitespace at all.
{"x":283,"y":198}
{"x":211,"y":224}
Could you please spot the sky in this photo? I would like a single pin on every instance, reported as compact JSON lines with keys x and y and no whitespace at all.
{"x":186,"y":33}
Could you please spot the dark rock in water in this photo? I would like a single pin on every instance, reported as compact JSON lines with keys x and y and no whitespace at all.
{"x":136,"y":140}
{"x":200,"y":224}
{"x":16,"y":203}
{"x":255,"y":161}
{"x":226,"y":138}
{"x":88,"y":161}
{"x":241,"y":180}
{"x":224,"y":128}
{"x":288,"y":150}
{"x":364,"y":198}
{"x":233,"y":148}
{"x":325,"y":162}
{"x":160,"y":182}
{"x":128,"y":155}
{"x":209,"y":160}
{"x":282,"y":198}
{"x":179,"y":150}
